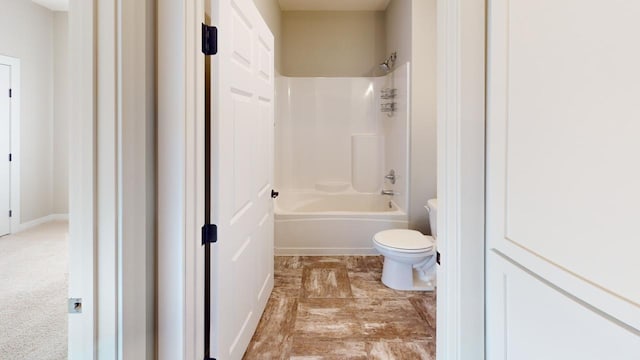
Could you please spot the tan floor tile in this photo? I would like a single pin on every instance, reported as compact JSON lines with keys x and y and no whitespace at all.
{"x":305,"y":349}
{"x":287,"y":283}
{"x":391,"y":319}
{"x":272,"y":339}
{"x":327,"y":319}
{"x":325,"y":280}
{"x":402,"y":350}
{"x":425,"y":305}
{"x":336,"y":307}
{"x":368,"y":285}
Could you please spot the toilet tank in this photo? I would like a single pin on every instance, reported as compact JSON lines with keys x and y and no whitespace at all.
{"x":432,"y":208}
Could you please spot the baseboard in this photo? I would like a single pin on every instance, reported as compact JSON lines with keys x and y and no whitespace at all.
{"x":324,"y":251}
{"x":45,"y":219}
{"x":59,"y":217}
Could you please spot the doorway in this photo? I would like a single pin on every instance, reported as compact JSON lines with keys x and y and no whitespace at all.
{"x":34,"y":119}
{"x":10,"y":145}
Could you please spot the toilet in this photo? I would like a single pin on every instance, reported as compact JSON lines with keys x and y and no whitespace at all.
{"x":409,"y":256}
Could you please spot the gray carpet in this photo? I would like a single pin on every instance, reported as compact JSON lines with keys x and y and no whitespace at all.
{"x":33,"y":293}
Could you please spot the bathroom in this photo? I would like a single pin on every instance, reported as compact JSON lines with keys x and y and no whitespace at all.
{"x":354,"y":157}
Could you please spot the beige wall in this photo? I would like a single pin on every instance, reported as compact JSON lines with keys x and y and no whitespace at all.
{"x":61,"y":106}
{"x":26,"y":33}
{"x":411,"y":31}
{"x":398,"y":19}
{"x":332,"y":43}
{"x":38,"y":37}
{"x":270,"y":11}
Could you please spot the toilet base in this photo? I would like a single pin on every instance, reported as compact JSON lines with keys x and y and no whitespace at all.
{"x":401,"y":276}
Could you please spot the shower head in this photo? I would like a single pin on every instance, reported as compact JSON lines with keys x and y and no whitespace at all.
{"x":388,"y":63}
{"x":385,"y":67}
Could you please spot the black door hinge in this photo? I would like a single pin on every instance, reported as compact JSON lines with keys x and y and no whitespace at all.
{"x":209,"y":39}
{"x":438,"y":257}
{"x":274,"y":194}
{"x":10,"y":93}
{"x":209,"y":234}
{"x":10,"y":213}
{"x":10,"y":157}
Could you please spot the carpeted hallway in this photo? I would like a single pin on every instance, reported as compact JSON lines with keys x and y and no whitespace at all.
{"x":33,"y":293}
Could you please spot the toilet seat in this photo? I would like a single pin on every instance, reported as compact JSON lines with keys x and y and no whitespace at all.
{"x":403,"y":240}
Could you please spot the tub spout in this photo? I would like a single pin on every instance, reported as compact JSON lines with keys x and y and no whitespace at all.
{"x":387,"y":192}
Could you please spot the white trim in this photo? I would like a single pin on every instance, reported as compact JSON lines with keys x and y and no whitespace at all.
{"x":325,"y":251}
{"x":82,"y":336}
{"x":45,"y":219}
{"x":180,"y":180}
{"x":461,"y":98}
{"x":16,"y":92}
{"x":135,"y":164}
{"x":106,"y":189}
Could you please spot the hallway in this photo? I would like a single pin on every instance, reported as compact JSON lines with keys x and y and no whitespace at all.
{"x":34,"y":278}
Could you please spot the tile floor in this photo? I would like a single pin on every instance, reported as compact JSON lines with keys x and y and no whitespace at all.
{"x":337,"y":308}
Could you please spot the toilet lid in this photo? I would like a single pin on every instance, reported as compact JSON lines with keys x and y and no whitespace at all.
{"x":403,"y":239}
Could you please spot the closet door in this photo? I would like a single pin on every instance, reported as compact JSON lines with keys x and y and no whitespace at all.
{"x":563,"y":180}
{"x":5,"y":149}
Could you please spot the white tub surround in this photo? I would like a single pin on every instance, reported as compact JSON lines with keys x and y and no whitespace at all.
{"x":331,"y":135}
{"x":367,"y":154}
{"x":334,"y":147}
{"x":314,"y":223}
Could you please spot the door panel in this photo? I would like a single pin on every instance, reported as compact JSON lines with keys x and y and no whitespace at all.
{"x":242,"y":152}
{"x":5,"y":149}
{"x":562,"y":168}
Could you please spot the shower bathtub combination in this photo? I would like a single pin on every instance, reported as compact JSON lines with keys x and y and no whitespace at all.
{"x":315,"y":223}
{"x":337,"y":147}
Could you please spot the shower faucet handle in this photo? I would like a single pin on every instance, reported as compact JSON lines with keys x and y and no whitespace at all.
{"x":391,"y":176}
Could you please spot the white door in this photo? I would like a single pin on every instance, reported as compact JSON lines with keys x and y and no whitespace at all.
{"x":5,"y":149}
{"x":242,"y":111}
{"x":563,"y":180}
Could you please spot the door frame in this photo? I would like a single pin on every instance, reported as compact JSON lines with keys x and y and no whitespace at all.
{"x":461,"y":174}
{"x":461,"y":177}
{"x":14,"y":180}
{"x":180,"y":255}
{"x":111,"y":172}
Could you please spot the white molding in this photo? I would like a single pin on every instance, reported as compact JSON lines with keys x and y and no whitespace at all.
{"x":39,"y":221}
{"x":107,"y":171}
{"x":59,"y":217}
{"x":83,"y":336}
{"x":180,"y":184}
{"x":14,"y":63}
{"x":461,"y":85}
{"x":325,"y":251}
{"x":135,"y":174}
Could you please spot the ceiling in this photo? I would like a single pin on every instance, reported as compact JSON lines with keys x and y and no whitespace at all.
{"x":333,"y":5}
{"x":55,"y":5}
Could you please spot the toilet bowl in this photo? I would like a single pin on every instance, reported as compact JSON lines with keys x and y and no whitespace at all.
{"x":409,"y":256}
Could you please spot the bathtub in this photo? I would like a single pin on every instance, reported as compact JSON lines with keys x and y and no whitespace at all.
{"x":315,"y":223}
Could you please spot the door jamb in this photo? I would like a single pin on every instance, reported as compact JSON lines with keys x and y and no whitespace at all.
{"x":14,"y":181}
{"x":461,"y":99}
{"x":181,"y":71}
{"x":461,"y":174}
{"x":82,"y":335}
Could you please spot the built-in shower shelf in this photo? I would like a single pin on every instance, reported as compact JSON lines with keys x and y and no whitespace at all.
{"x":332,"y":186}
